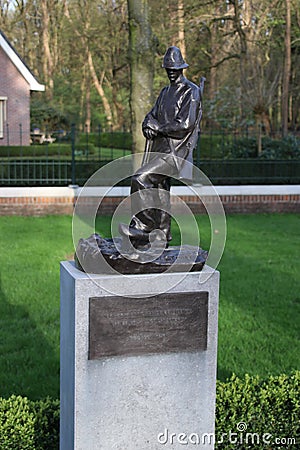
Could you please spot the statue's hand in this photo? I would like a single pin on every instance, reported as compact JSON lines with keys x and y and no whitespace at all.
{"x":149,"y":133}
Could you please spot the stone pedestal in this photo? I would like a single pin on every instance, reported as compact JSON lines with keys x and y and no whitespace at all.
{"x":138,"y":372}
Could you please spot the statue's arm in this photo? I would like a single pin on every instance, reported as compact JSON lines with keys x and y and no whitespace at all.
{"x":151,"y":119}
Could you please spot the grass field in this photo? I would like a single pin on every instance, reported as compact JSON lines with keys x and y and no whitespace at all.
{"x":259,"y":298}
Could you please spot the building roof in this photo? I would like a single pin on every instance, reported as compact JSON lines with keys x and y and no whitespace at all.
{"x":19,"y":64}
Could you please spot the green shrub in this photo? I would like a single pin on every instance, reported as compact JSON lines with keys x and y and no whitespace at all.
{"x":16,"y":424}
{"x":40,"y":151}
{"x":287,"y":148}
{"x":35,"y":150}
{"x":243,"y":148}
{"x":267,"y":408}
{"x":28,"y":425}
{"x":214,"y":146}
{"x":116,"y":139}
{"x":46,"y":425}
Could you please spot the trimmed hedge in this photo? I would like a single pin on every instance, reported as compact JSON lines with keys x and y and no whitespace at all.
{"x":40,"y":151}
{"x":286,"y":148}
{"x":28,"y":425}
{"x":265,"y":409}
{"x":115,"y":139}
{"x":212,"y":146}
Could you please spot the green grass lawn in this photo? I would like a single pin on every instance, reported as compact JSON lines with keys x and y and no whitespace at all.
{"x":259,"y":298}
{"x":31,"y":249}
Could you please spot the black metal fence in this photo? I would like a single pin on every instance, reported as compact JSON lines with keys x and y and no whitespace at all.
{"x":59,"y":159}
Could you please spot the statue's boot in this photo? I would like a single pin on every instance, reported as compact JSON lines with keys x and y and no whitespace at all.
{"x":135,"y":233}
{"x":140,"y":239}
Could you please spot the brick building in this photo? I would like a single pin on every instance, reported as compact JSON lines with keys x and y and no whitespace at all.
{"x":16,"y":83}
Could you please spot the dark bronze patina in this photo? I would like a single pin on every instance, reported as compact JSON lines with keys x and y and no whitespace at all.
{"x":171,"y":128}
{"x":99,"y":255}
{"x":160,"y":324}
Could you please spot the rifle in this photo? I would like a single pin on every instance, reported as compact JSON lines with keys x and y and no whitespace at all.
{"x":201,"y":86}
{"x":147,"y":151}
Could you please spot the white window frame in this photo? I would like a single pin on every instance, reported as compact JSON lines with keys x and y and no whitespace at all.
{"x":3,"y":101}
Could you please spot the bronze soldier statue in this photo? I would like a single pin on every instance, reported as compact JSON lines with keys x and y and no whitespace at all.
{"x":171,"y":130}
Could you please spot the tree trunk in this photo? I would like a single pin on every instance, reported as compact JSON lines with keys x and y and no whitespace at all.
{"x":265,"y":119}
{"x":82,"y":101}
{"x":141,"y":44}
{"x":181,"y":34}
{"x":100,"y":90}
{"x":47,"y":57}
{"x":214,"y":52}
{"x":258,"y":135}
{"x":88,"y":109}
{"x":238,"y":24}
{"x":286,"y":70}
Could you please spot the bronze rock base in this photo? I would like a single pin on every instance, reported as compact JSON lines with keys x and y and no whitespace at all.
{"x":99,"y":255}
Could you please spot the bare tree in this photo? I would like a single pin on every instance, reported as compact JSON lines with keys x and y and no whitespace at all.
{"x":260,"y":86}
{"x":84,"y":38}
{"x":4,"y":13}
{"x":79,"y":48}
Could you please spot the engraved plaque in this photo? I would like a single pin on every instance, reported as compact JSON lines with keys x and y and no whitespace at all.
{"x":163,"y":323}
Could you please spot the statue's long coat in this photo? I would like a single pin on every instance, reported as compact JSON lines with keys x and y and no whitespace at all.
{"x":176,"y":117}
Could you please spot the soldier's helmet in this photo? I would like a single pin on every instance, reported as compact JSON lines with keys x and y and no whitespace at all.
{"x":173,"y":59}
